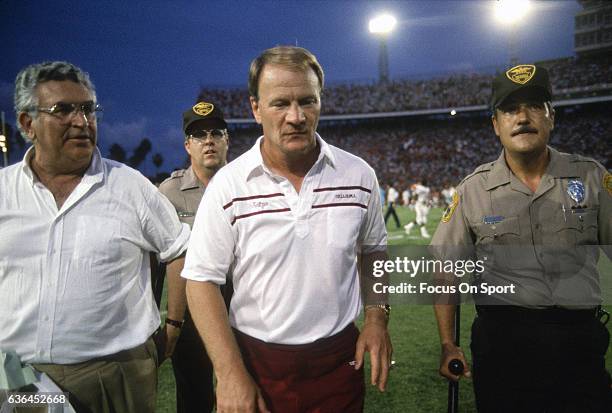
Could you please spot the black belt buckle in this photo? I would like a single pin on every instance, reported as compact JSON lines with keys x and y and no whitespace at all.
{"x":603,"y":316}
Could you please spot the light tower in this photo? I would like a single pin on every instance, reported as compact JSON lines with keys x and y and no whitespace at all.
{"x":381,"y":26}
{"x":3,"y":140}
{"x":511,"y":13}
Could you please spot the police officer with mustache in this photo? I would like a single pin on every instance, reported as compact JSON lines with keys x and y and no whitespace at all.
{"x":538,"y":219}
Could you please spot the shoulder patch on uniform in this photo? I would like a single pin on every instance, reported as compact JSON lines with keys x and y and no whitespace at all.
{"x":450,"y":210}
{"x":607,"y":182}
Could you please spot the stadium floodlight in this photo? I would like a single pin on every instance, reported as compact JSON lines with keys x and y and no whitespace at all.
{"x":511,"y":11}
{"x":453,"y":112}
{"x":2,"y":138}
{"x":383,"y":24}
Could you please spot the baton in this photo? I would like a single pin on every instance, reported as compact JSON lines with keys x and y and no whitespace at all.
{"x":456,"y":367}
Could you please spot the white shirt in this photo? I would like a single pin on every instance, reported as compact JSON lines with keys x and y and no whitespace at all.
{"x":448,"y":193}
{"x":75,"y":283}
{"x":292,"y":257}
{"x":392,"y":195}
{"x":406,"y":196}
{"x":422,"y":193}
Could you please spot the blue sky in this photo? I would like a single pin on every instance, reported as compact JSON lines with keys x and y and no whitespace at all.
{"x":148,"y":60}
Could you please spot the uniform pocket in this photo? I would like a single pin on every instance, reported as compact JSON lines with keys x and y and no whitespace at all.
{"x":500,"y":243}
{"x":507,"y":231}
{"x":577,"y":228}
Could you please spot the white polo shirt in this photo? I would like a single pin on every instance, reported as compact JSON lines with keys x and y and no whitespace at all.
{"x":292,"y":257}
{"x":75,"y":283}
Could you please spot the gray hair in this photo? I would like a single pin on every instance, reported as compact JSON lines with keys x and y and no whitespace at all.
{"x":26,"y":100}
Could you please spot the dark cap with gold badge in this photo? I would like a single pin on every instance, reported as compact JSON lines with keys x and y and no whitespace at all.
{"x":208,"y":116}
{"x":518,"y":78}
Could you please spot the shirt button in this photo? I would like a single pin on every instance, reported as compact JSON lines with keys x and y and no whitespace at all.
{"x":537,"y":226}
{"x":46,"y":318}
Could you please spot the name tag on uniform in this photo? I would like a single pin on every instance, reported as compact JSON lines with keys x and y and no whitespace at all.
{"x":492,"y":219}
{"x":182,"y":214}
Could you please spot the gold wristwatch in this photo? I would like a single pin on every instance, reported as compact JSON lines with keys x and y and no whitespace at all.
{"x":385,"y":307}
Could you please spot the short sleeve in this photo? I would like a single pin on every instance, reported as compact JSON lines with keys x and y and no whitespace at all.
{"x":605,"y":213}
{"x":453,"y":232}
{"x":211,"y":248}
{"x":373,"y":233}
{"x":161,"y":226}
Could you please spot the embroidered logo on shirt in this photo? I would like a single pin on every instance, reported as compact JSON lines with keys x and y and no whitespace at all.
{"x":260,"y":204}
{"x":345,"y":196}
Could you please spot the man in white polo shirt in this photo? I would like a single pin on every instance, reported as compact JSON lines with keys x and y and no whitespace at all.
{"x":287,"y":222}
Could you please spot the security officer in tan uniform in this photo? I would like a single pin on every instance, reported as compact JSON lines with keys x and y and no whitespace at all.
{"x":206,"y":142}
{"x":537,"y":219}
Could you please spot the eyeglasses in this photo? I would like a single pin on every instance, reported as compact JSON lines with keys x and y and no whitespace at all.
{"x":200,"y":136}
{"x":512,"y":108}
{"x":66,"y":111}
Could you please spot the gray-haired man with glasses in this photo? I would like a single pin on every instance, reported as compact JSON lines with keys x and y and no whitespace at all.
{"x":77,"y":230}
{"x":206,"y":142}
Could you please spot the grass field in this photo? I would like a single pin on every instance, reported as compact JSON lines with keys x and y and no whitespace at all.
{"x":414,"y":385}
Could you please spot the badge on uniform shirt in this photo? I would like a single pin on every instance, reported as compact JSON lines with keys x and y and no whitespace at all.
{"x":575,"y":190}
{"x":448,"y":214}
{"x":607,"y":182}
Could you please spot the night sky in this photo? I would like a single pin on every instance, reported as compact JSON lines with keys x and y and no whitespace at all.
{"x":148,"y":60}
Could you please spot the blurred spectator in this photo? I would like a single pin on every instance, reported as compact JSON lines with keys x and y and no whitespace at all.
{"x":443,"y":150}
{"x":572,"y":77}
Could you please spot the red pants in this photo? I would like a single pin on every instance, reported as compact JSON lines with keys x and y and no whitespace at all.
{"x":313,"y":378}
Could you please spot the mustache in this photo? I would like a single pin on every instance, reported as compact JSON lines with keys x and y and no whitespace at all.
{"x":524,"y":129}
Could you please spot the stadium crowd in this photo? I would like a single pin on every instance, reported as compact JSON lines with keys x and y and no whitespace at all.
{"x":441,"y":150}
{"x":571,"y":77}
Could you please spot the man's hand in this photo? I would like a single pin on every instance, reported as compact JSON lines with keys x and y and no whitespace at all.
{"x":238,"y":393}
{"x":236,"y":390}
{"x":450,"y":352}
{"x":165,"y":341}
{"x":374,"y":338}
{"x":172,"y":336}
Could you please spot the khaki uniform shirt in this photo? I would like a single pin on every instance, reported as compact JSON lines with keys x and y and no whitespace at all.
{"x":185,"y":191}
{"x":545,"y":243}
